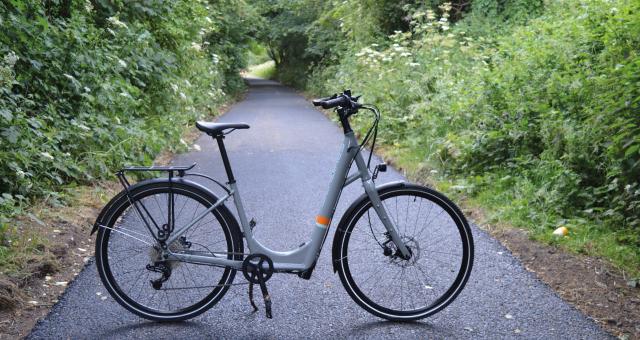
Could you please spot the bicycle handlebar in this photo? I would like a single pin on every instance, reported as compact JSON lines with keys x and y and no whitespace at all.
{"x":344,"y":100}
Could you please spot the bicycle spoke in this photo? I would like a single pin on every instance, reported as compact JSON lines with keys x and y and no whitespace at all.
{"x":183,"y":287}
{"x":382,"y":277}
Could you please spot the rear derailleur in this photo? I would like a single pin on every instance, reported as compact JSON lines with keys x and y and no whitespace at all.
{"x":159,"y":267}
{"x":257,"y":269}
{"x":162,"y":266}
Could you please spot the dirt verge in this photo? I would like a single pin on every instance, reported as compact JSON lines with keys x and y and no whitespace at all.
{"x":592,"y":285}
{"x":65,"y":246}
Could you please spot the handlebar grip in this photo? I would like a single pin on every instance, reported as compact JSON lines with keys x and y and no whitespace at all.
{"x":342,"y":100}
{"x":330,"y":103}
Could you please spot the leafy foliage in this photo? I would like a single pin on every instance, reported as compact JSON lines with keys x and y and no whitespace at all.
{"x":534,"y":104}
{"x":88,"y":86}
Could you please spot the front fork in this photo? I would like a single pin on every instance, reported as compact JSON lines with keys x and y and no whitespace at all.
{"x":370,"y":189}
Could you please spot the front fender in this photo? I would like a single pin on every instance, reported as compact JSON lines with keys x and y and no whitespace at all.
{"x":342,"y":226}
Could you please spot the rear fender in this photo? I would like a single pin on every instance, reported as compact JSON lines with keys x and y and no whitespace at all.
{"x":103,"y":216}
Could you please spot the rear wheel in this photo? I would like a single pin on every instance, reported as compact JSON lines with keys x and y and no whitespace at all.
{"x":384,"y":283}
{"x":129,"y":260}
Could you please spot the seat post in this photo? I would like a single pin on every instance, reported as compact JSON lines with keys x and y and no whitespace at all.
{"x":225,"y":158}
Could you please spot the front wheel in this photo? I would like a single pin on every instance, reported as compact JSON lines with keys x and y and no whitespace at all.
{"x":375,"y":274}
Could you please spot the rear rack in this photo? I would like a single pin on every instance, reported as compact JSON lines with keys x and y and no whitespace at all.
{"x":162,"y":231}
{"x":179,"y":169}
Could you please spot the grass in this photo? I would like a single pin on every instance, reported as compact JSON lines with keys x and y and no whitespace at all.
{"x":29,"y":239}
{"x":266,"y":70}
{"x":505,"y":202}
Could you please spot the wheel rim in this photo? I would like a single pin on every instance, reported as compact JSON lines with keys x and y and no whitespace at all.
{"x":190,"y":287}
{"x":438,"y":239}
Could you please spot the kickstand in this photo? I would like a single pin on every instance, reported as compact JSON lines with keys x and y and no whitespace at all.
{"x":253,"y":304}
{"x":265,"y":295}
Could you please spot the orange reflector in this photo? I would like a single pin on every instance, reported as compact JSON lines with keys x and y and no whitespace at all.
{"x":322,"y":220}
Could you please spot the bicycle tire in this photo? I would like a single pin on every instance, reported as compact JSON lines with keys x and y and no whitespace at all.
{"x":121,"y":212}
{"x":346,"y":259}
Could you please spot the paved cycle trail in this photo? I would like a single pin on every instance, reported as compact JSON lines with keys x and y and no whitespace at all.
{"x":283,"y":164}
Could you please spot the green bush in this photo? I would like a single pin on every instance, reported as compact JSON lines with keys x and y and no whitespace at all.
{"x":86,"y":87}
{"x":535,"y":105}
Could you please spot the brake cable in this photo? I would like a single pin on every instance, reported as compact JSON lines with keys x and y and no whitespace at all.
{"x":373,"y":130}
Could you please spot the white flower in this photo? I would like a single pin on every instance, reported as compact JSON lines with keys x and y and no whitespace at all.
{"x":47,"y":155}
{"x":116,"y":22}
{"x":413,"y":64}
{"x":122,"y":63}
{"x":11,"y":58}
{"x":183,"y":96}
{"x":196,"y":46}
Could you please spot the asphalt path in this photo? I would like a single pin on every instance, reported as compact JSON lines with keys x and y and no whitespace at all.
{"x":282,"y":164}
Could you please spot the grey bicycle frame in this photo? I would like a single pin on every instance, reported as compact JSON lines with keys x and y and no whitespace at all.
{"x":305,"y":256}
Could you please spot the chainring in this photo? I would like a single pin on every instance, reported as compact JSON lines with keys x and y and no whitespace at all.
{"x":250,"y":267}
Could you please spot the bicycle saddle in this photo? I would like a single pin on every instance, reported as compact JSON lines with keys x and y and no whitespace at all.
{"x":215,"y":129}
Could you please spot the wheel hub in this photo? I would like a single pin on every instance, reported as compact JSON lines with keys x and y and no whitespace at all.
{"x":396,"y":257}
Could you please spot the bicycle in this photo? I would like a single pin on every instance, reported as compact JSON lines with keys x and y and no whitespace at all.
{"x":168,"y":248}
